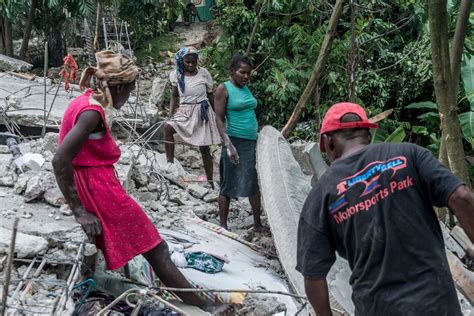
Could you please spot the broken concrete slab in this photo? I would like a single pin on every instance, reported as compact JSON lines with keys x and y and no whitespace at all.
{"x":460,"y":236}
{"x":156,"y":206}
{"x":29,"y":112}
{"x":49,"y":142}
{"x":298,"y":150}
{"x":22,"y":181}
{"x":54,"y":196}
{"x":4,"y":150}
{"x":139,"y":175}
{"x":39,"y":223}
{"x":177,"y":199}
{"x":284,"y":190}
{"x":248,"y":222}
{"x":26,"y":246}
{"x":12,"y":64}
{"x":318,"y":164}
{"x":145,"y":196}
{"x":463,"y":277}
{"x":7,"y":180}
{"x":158,"y":88}
{"x":197,"y":191}
{"x":211,"y":197}
{"x":65,"y":210}
{"x":39,"y":184}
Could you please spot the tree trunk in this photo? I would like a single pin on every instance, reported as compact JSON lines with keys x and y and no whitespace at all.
{"x":2,"y":37}
{"x":318,"y":69}
{"x":28,"y":27}
{"x":254,"y":30}
{"x":8,"y":36}
{"x":353,"y":55}
{"x":443,"y":154}
{"x":56,"y":48}
{"x":317,"y":107}
{"x":445,"y":95}
{"x":462,"y":25}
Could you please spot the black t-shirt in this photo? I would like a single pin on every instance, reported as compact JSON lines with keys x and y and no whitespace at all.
{"x":374,"y":208}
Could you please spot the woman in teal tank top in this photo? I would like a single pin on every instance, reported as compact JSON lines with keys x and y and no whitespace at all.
{"x":237,"y":124}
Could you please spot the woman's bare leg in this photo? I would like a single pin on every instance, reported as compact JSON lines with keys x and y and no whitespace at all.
{"x":207,"y":162}
{"x":224,"y":202}
{"x":169,"y":274}
{"x":257,"y":211}
{"x":169,"y":142}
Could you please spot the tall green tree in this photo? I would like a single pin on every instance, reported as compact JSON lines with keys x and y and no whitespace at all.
{"x":9,"y":11}
{"x":28,"y":28}
{"x":446,"y":73}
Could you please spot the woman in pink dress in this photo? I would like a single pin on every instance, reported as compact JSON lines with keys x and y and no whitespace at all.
{"x":84,"y":169}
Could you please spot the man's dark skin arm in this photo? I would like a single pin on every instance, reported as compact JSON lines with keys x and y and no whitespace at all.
{"x":461,"y":202}
{"x":318,"y":295}
{"x":87,"y":123}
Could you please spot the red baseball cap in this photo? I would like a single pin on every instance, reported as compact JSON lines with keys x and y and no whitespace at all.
{"x":332,"y":119}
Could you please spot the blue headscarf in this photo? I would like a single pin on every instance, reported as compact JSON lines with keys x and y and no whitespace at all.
{"x":180,"y":64}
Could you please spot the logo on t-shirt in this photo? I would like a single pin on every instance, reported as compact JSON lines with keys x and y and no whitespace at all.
{"x":369,"y":177}
{"x":371,"y":173}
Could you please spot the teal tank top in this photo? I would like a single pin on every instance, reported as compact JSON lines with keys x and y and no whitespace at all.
{"x":241,"y":120}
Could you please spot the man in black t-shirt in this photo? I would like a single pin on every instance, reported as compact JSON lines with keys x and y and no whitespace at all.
{"x":374,"y":206}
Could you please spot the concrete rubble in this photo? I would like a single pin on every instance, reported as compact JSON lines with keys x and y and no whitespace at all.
{"x":47,"y":229}
{"x":26,"y":246}
{"x":50,"y":243}
{"x":48,"y":232}
{"x":12,"y":64}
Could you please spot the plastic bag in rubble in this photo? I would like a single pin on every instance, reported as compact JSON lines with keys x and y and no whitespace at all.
{"x":204,"y":262}
{"x":179,"y":259}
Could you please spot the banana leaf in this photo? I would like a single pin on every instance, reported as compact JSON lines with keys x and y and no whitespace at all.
{"x":467,"y":126}
{"x":397,"y":136}
{"x":467,"y":75}
{"x":422,"y":105}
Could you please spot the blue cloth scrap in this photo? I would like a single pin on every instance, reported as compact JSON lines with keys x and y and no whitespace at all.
{"x":204,"y":262}
{"x":204,"y":111}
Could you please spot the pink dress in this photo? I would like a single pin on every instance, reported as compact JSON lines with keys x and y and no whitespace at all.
{"x":126,"y":229}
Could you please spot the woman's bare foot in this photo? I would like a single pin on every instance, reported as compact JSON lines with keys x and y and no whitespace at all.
{"x":259,"y":228}
{"x":224,"y":225}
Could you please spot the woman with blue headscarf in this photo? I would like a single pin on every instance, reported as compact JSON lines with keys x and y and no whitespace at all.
{"x":194,"y":119}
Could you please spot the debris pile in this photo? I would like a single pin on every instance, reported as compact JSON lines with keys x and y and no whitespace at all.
{"x":49,"y":242}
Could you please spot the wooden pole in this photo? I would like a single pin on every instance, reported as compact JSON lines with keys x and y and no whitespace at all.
{"x":318,"y":69}
{"x":96,"y":32}
{"x":353,"y":55}
{"x":8,"y":271}
{"x":44,"y":84}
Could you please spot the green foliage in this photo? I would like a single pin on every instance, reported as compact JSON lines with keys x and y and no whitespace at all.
{"x":467,"y":75}
{"x":157,"y":48}
{"x":397,"y":136}
{"x":422,"y":105}
{"x":149,"y":18}
{"x":467,"y":126}
{"x":393,"y":66}
{"x":10,"y":9}
{"x":84,"y":8}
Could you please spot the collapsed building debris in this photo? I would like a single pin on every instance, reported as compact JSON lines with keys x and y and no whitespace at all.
{"x":12,"y":64}
{"x":51,"y":249}
{"x":170,"y":200}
